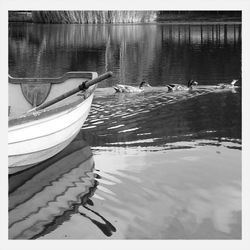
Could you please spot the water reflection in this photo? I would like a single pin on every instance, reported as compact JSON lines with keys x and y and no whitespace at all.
{"x":168,"y":166}
{"x":45,"y":193}
{"x":107,"y":228}
{"x":157,"y":118}
{"x":167,"y":173}
{"x":159,"y":53}
{"x":175,"y":195}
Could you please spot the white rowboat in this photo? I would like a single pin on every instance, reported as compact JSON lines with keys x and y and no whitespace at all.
{"x":36,"y":136}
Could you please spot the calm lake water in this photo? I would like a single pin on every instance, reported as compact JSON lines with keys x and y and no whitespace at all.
{"x":144,"y":166}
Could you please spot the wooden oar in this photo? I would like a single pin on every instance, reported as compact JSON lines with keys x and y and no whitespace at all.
{"x":82,"y":87}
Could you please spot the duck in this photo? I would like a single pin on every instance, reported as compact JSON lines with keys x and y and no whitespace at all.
{"x":119,"y":88}
{"x":179,"y":87}
{"x":227,"y":85}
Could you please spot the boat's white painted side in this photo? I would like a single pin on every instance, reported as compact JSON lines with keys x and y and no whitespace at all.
{"x":37,"y":157}
{"x":35,"y":141}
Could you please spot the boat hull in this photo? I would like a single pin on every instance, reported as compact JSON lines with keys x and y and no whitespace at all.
{"x":41,"y":138}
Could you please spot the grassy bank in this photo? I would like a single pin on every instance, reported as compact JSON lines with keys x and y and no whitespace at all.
{"x":123,"y":16}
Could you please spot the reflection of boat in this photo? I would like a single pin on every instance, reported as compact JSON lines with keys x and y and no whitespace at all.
{"x":40,"y":195}
{"x":37,"y":136}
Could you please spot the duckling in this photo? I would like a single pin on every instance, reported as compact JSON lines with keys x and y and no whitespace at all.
{"x":119,"y":88}
{"x":179,"y":87}
{"x":226,"y":85}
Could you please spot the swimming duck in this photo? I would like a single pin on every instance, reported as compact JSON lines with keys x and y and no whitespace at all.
{"x":226,"y":85}
{"x":178,"y":87}
{"x":119,"y":88}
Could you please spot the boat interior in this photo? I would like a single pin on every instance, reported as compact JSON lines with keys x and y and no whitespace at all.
{"x":27,"y":93}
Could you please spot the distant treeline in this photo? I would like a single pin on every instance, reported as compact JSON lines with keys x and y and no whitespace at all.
{"x":199,"y":15}
{"x":121,"y":16}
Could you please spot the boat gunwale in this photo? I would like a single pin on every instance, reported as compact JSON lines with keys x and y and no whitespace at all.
{"x":30,"y":117}
{"x":53,"y":80}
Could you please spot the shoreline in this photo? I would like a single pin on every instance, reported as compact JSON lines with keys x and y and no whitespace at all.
{"x":180,"y":18}
{"x":177,"y":22}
